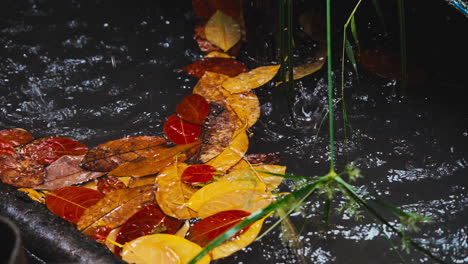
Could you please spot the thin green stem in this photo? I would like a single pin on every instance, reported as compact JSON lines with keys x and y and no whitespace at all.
{"x":330,"y":90}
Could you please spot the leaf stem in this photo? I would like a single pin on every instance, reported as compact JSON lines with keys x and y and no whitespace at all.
{"x":330,"y":89}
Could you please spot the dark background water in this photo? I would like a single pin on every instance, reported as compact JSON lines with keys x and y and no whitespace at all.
{"x":101,"y":70}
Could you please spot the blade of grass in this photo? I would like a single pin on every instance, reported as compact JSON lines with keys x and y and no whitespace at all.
{"x":330,"y":89}
{"x":354,"y":32}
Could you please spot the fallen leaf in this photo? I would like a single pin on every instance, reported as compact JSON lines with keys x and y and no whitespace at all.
{"x":172,"y":193}
{"x":218,"y":54}
{"x":99,"y":234}
{"x":203,"y":8}
{"x":21,"y":171}
{"x":110,"y":155}
{"x":66,"y":171}
{"x":200,"y":38}
{"x":206,"y":8}
{"x":70,"y":202}
{"x":233,"y":152}
{"x":50,"y":149}
{"x":264,"y":158}
{"x":141,"y":181}
{"x":151,"y":165}
{"x":110,"y":239}
{"x":253,"y":172}
{"x":226,"y":66}
{"x":162,"y":248}
{"x":179,"y":131}
{"x":37,"y":196}
{"x":222,"y":30}
{"x":193,"y":109}
{"x":246,"y":107}
{"x":6,"y":148}
{"x":247,"y":81}
{"x":210,"y":86}
{"x":307,"y":69}
{"x":198,"y":173}
{"x":182,"y":232}
{"x":109,"y":184}
{"x":16,"y":136}
{"x":116,"y":207}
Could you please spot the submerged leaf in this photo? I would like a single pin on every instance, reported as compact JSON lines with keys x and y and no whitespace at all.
{"x":179,"y":131}
{"x":233,"y":152}
{"x":210,"y":86}
{"x":246,"y":107}
{"x":15,"y":136}
{"x":193,"y":109}
{"x":21,"y":171}
{"x":222,"y":30}
{"x":50,"y":149}
{"x":227,"y":66}
{"x":255,"y":78}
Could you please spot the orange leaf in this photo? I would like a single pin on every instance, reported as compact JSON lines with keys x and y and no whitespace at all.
{"x":21,"y":171}
{"x":48,"y":150}
{"x":193,"y":109}
{"x":225,"y":66}
{"x":110,"y":183}
{"x":16,"y":136}
{"x":210,"y":86}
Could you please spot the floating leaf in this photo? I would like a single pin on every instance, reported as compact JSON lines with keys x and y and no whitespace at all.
{"x":16,"y":136}
{"x":161,"y":248}
{"x":206,"y":8}
{"x":247,"y":81}
{"x":193,"y":109}
{"x":222,"y":30}
{"x":307,"y":69}
{"x":226,"y":66}
{"x":172,"y":193}
{"x":21,"y":171}
{"x":200,"y":38}
{"x":179,"y":131}
{"x":141,"y":181}
{"x":6,"y":148}
{"x":218,"y":54}
{"x":207,"y":229}
{"x":116,"y":207}
{"x":203,"y":8}
{"x":50,"y":149}
{"x":233,"y":153}
{"x":199,"y":173}
{"x":66,"y":171}
{"x":109,"y":184}
{"x":221,"y":196}
{"x":246,"y":107}
{"x":264,"y":158}
{"x":248,"y":172}
{"x":70,"y":202}
{"x":37,"y":196}
{"x":210,"y":86}
{"x":110,"y":155}
{"x":149,"y":220}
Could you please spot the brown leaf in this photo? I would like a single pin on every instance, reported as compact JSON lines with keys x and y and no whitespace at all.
{"x":210,"y":86}
{"x":66,"y":171}
{"x":153,"y":164}
{"x":264,"y":158}
{"x":116,"y":207}
{"x":20,"y":171}
{"x":110,"y":155}
{"x":109,"y":184}
{"x":16,"y":136}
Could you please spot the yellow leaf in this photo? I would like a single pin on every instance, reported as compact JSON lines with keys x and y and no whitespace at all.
{"x":307,"y":69}
{"x":246,"y":171}
{"x":162,"y":248}
{"x":172,"y":193}
{"x":111,"y":238}
{"x":182,"y":232}
{"x":37,"y":196}
{"x":222,"y":31}
{"x":141,"y":181}
{"x":246,"y":107}
{"x":218,"y":54}
{"x":221,"y":196}
{"x":210,"y":86}
{"x":233,"y":153}
{"x":247,"y":81}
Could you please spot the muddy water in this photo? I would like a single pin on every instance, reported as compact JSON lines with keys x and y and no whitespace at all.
{"x":100,"y":70}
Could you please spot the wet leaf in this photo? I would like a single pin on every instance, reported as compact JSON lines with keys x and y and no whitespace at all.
{"x":221,"y":196}
{"x":206,"y":8}
{"x":172,"y":193}
{"x":182,"y":232}
{"x":50,"y":149}
{"x":66,"y":171}
{"x":6,"y":148}
{"x":111,"y":237}
{"x":109,"y":184}
{"x":37,"y":196}
{"x":161,"y":248}
{"x":21,"y":171}
{"x":307,"y":69}
{"x":253,"y":172}
{"x":222,"y":30}
{"x":233,"y":153}
{"x":264,"y":158}
{"x":210,"y":86}
{"x":149,"y":220}
{"x":255,"y":78}
{"x":100,"y":233}
{"x":110,"y":155}
{"x":141,"y":181}
{"x":181,"y":132}
{"x":226,"y":66}
{"x":70,"y":202}
{"x":116,"y":207}
{"x":199,"y":173}
{"x":151,"y":165}
{"x":200,"y":38}
{"x":209,"y":228}
{"x":16,"y":136}
{"x":246,"y":107}
{"x":218,"y":54}
{"x":193,"y":109}
{"x":203,"y":8}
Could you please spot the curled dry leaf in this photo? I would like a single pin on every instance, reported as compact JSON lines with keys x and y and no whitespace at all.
{"x":222,"y":30}
{"x":233,"y":152}
{"x":172,"y":194}
{"x":247,"y":81}
{"x":70,"y":202}
{"x":110,"y":155}
{"x":246,"y":107}
{"x":21,"y":171}
{"x":162,"y":248}
{"x":210,"y":86}
{"x":226,"y":66}
{"x":6,"y":148}
{"x":66,"y":171}
{"x":179,"y":131}
{"x":16,"y":136}
{"x":193,"y":109}
{"x":50,"y":149}
{"x":221,"y":196}
{"x":116,"y":207}
{"x":151,"y":165}
{"x":253,"y":172}
{"x":109,"y":184}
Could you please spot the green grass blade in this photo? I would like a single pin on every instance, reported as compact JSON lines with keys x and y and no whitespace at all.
{"x":330,"y":89}
{"x":350,"y":55}
{"x":354,"y":32}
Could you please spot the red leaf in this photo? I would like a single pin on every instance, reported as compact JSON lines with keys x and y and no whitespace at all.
{"x":70,"y":202}
{"x":16,"y":136}
{"x":206,"y":8}
{"x":213,"y":226}
{"x":100,"y":233}
{"x":6,"y":148}
{"x":203,"y":8}
{"x":181,"y":132}
{"x":224,"y":66}
{"x":109,"y":183}
{"x":200,"y":173}
{"x":20,"y":171}
{"x":48,"y":150}
{"x":193,"y":109}
{"x":149,"y":220}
